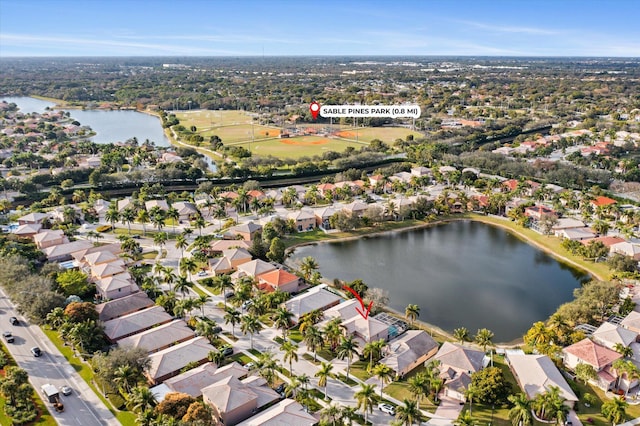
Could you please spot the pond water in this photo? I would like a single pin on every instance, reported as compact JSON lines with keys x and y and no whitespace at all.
{"x":110,"y":126}
{"x":460,"y":274}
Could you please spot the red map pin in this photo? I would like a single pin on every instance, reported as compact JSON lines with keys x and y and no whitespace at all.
{"x":315,"y":109}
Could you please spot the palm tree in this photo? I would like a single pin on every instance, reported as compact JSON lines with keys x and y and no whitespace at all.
{"x":141,"y":399}
{"x":333,"y":332}
{"x":231,"y":316}
{"x":384,"y":373}
{"x":207,"y":328}
{"x":625,"y":351}
{"x":160,"y":239}
{"x":290,"y":352}
{"x":125,"y":376}
{"x":348,"y":414}
{"x":314,"y":339}
{"x":292,"y":387}
{"x":223,"y":283}
{"x":323,"y":375}
{"x":168,"y":277}
{"x":484,"y":338}
{"x":615,"y":410}
{"x":174,"y":215}
{"x":181,"y":243}
{"x":461,"y":334}
{"x":408,"y":412}
{"x":464,"y":419}
{"x":412,"y":312}
{"x":182,"y":285}
{"x":251,"y":325}
{"x":78,"y":196}
{"x":520,"y":413}
{"x":373,"y":350}
{"x":143,"y":218}
{"x":538,"y":334}
{"x":189,"y":265}
{"x":330,"y":415}
{"x":201,"y":301}
{"x":112,"y":215}
{"x":469,"y":394}
{"x":308,"y":266}
{"x":366,"y":398}
{"x":266,"y":366}
{"x":347,"y":348}
{"x":126,"y":217}
{"x":419,"y":386}
{"x":282,"y":320}
{"x":200,"y":223}
{"x":215,"y":357}
{"x":56,"y":318}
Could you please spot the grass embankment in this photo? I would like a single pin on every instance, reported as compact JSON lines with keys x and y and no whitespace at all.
{"x":44,"y":419}
{"x":124,"y":417}
{"x":59,"y":102}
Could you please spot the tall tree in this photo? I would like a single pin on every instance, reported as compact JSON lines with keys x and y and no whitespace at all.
{"x":615,"y":410}
{"x":520,"y":413}
{"x":408,"y":412}
{"x":323,"y":374}
{"x":384,"y":373}
{"x":412,"y":312}
{"x":251,"y":325}
{"x":231,"y":316}
{"x":290,"y":354}
{"x":366,"y":398}
{"x":347,"y":348}
{"x":314,"y":339}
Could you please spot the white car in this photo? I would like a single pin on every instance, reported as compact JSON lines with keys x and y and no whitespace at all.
{"x":202,"y":274}
{"x":387,"y":408}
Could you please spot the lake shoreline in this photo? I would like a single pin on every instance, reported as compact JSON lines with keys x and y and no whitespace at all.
{"x":472,"y":217}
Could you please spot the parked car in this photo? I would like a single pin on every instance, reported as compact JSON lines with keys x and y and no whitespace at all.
{"x":387,"y":408}
{"x":226,"y":351}
{"x":246,"y":304}
{"x":36,"y":351}
{"x":250,"y":365}
{"x":280,"y":388}
{"x":65,"y":390}
{"x":202,"y":274}
{"x":8,"y":336}
{"x":229,"y":293}
{"x":14,"y":321}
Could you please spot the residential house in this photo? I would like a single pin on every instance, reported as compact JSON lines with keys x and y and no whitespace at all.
{"x":49,"y":237}
{"x":193,"y":381}
{"x":457,"y":364}
{"x":116,"y":286}
{"x":366,"y":330}
{"x":105,"y":270}
{"x":237,"y":256}
{"x":607,"y":241}
{"x":161,"y":204}
{"x":278,"y":279}
{"x":326,"y":188}
{"x":537,"y":212}
{"x":286,"y":412}
{"x":126,"y":203}
{"x":186,"y":210}
{"x":609,"y":335}
{"x":33,"y":219}
{"x":28,"y":230}
{"x":626,"y":248}
{"x":62,"y":252}
{"x":576,"y":234}
{"x":220,"y":266}
{"x":602,"y":201}
{"x":123,"y":306}
{"x":99,"y":258}
{"x":317,"y":298}
{"x":127,"y":325}
{"x":535,"y":374}
{"x":253,"y":268}
{"x":408,"y":351}
{"x":233,"y":400}
{"x":168,"y":362}
{"x":567,"y":223}
{"x":160,"y":337}
{"x":247,"y":230}
{"x":420,"y":171}
{"x":632,"y":321}
{"x":219,"y":246}
{"x":304,"y":220}
{"x":356,"y":208}
{"x":322,"y":216}
{"x":599,"y":357}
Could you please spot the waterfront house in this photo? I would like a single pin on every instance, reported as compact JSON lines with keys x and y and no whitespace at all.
{"x":317,"y":298}
{"x":609,"y":335}
{"x":599,"y":357}
{"x":161,"y":204}
{"x":322,"y":216}
{"x":304,"y":220}
{"x":632,"y":321}
{"x":535,"y":374}
{"x":253,"y":268}
{"x":408,"y":351}
{"x":457,"y":364}
{"x":278,"y":279}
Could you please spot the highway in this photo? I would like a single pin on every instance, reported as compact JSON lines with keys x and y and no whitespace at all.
{"x":82,"y":407}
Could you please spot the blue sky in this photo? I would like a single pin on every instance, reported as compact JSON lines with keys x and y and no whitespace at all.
{"x":303,"y":27}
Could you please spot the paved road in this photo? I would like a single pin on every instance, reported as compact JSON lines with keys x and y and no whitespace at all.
{"x":82,"y":407}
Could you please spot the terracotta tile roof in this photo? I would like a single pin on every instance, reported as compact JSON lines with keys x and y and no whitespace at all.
{"x":592,"y":353}
{"x":603,"y":201}
{"x":278,"y":277}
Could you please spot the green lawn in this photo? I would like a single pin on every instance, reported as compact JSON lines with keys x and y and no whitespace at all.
{"x":204,"y":119}
{"x":296,"y":147}
{"x":359,"y":369}
{"x":385,"y":134}
{"x":125,"y":417}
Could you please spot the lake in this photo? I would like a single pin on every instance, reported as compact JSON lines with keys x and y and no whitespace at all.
{"x":110,"y":126}
{"x":460,"y":274}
